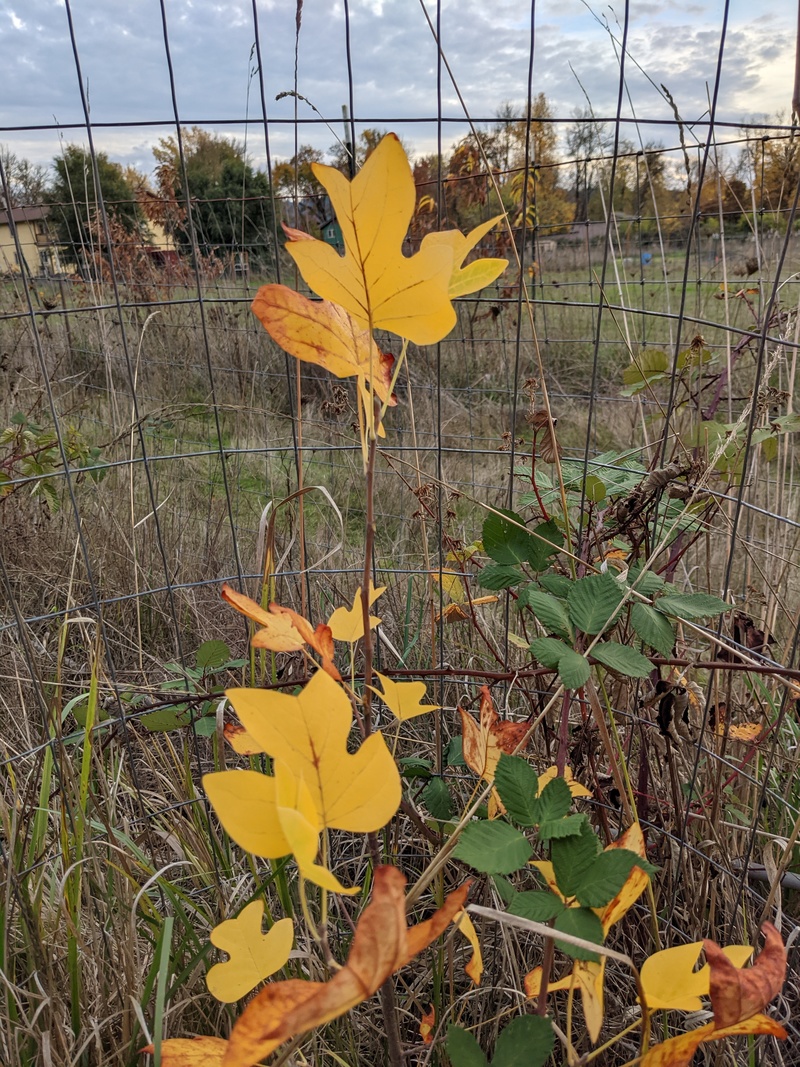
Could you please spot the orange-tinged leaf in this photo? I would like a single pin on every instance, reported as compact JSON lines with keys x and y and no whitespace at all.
{"x":190,"y":1051}
{"x":374,"y":281}
{"x":743,"y":731}
{"x":347,"y":624}
{"x":359,"y":792}
{"x":403,"y":699}
{"x":476,"y":275}
{"x":481,"y":750}
{"x":381,"y":945}
{"x":427,"y":1025}
{"x":669,"y":979}
{"x":480,"y":747}
{"x":319,"y":332}
{"x":483,"y":744}
{"x":475,"y":966}
{"x":246,"y":805}
{"x":240,"y":740}
{"x":254,"y":955}
{"x":575,"y":786}
{"x":509,"y":735}
{"x":545,"y":868}
{"x":283,"y":630}
{"x":245,"y":605}
{"x":635,"y":883}
{"x":678,"y":1051}
{"x":278,"y":634}
{"x":756,"y":1024}
{"x":453,"y":613}
{"x":738,"y":994}
{"x":320,"y":639}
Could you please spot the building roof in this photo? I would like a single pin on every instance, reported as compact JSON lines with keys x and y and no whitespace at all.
{"x":25,"y":214}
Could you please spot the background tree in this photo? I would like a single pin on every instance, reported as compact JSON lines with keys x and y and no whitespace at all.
{"x":231,"y":201}
{"x":586,"y":141}
{"x":302,"y":199}
{"x":27,"y":181}
{"x":770,"y":165}
{"x":535,"y":182}
{"x":75,"y":201}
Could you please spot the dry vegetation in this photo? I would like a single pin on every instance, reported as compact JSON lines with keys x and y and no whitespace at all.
{"x":115,"y":871}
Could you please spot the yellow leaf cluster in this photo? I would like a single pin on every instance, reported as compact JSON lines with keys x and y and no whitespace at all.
{"x":317,"y":782}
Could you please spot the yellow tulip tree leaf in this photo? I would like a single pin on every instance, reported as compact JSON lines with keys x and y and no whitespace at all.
{"x":403,"y":699}
{"x":575,"y":786}
{"x":301,"y":825}
{"x":320,"y":332}
{"x":382,"y":944}
{"x":308,"y":733}
{"x":272,"y":817}
{"x":347,"y":624}
{"x":247,"y":807}
{"x":379,"y":286}
{"x":476,"y":275}
{"x":669,"y":979}
{"x":452,"y":585}
{"x":254,"y":955}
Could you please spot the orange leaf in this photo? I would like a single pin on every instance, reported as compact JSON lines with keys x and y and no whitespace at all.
{"x":509,"y":734}
{"x":245,"y":605}
{"x":381,"y":945}
{"x":678,"y":1051}
{"x":756,"y":1024}
{"x":426,"y":1026}
{"x":483,"y":744}
{"x":190,"y":1052}
{"x":319,"y":332}
{"x":737,"y":994}
{"x":283,"y":630}
{"x":635,"y":883}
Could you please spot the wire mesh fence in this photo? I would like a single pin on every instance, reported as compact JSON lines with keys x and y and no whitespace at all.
{"x":151,"y":432}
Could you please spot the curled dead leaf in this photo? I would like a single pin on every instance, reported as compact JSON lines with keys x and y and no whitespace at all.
{"x":382,"y":944}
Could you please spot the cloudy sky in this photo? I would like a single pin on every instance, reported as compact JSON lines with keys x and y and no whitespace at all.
{"x":124,"y":62}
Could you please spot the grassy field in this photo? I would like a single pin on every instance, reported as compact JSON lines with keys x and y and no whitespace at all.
{"x":181,"y":428}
